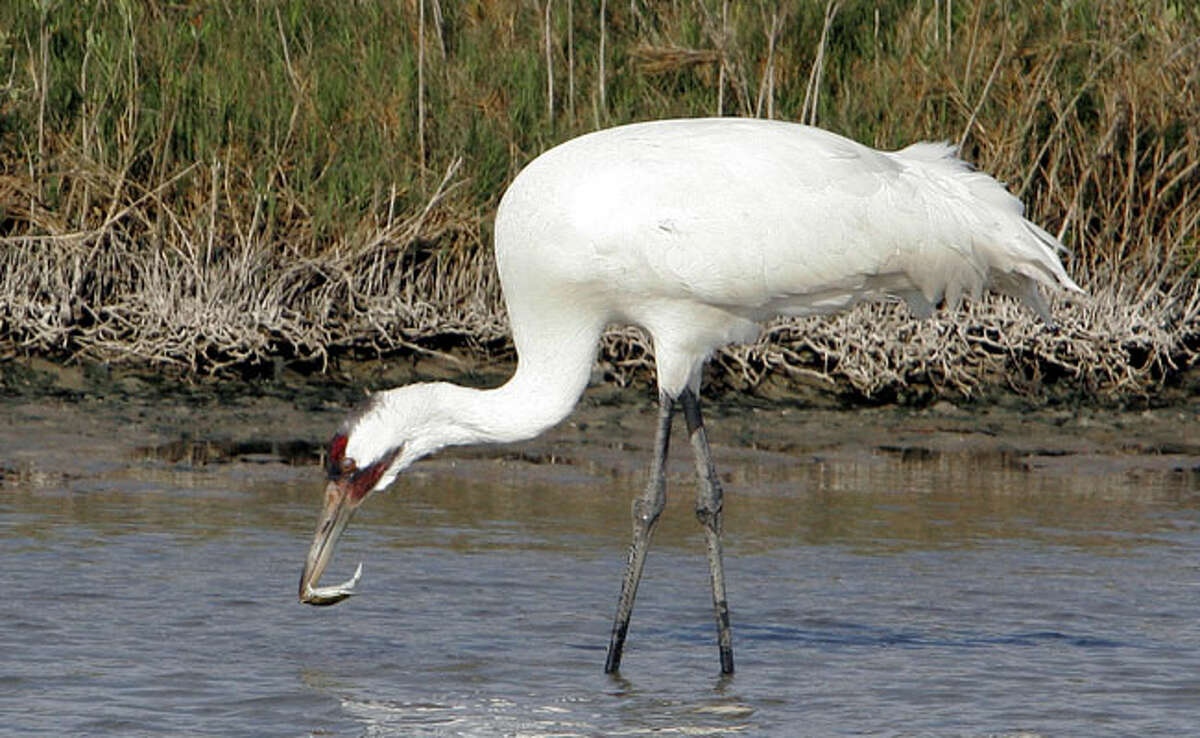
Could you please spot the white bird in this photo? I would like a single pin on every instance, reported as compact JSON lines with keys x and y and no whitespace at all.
{"x":698,"y":231}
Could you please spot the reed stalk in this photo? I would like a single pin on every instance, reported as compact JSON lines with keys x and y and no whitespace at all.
{"x":213,"y":187}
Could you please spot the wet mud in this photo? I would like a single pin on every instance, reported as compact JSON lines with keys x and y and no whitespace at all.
{"x":288,"y":419}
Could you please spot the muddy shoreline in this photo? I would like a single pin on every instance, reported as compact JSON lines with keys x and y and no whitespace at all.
{"x":289,"y":417}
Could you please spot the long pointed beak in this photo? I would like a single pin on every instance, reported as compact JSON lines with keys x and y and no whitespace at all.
{"x":337,"y":512}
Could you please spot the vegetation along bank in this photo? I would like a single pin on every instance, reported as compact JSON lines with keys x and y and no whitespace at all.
{"x":216,"y":186}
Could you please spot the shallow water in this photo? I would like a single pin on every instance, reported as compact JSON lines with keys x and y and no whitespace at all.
{"x":900,"y":588}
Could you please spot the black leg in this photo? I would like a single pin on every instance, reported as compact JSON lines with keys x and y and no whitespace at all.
{"x":708,"y":510}
{"x":646,"y":510}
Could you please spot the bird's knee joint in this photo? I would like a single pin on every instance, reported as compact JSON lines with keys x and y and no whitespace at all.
{"x":709,"y":517}
{"x":646,"y":513}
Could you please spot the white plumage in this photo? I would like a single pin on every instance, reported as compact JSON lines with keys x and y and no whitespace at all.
{"x":698,"y":231}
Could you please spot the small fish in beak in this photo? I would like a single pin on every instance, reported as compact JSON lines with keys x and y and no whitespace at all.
{"x":347,"y":488}
{"x":334,"y":594}
{"x":339,"y":508}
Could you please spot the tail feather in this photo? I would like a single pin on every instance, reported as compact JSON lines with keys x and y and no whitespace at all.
{"x":988,"y":242}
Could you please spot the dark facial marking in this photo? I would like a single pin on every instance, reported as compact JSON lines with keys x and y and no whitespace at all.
{"x":360,"y":482}
{"x":337,"y":456}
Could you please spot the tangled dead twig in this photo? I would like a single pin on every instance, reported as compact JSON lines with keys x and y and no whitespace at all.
{"x":111,"y":294}
{"x":1100,"y":347}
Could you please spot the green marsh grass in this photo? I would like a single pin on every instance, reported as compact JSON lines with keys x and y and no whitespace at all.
{"x":213,"y":185}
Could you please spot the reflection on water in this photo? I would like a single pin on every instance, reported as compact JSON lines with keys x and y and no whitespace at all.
{"x":925,"y":584}
{"x":200,"y":452}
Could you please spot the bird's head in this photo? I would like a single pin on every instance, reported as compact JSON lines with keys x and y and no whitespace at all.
{"x":368,"y":452}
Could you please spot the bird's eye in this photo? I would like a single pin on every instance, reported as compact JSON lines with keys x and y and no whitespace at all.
{"x":348,"y":465}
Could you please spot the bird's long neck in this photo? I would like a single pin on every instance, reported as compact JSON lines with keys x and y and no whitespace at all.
{"x":553,"y":368}
{"x":532,"y":401}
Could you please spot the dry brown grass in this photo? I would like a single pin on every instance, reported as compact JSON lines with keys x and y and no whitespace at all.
{"x":124,"y":237}
{"x":205,"y":302}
